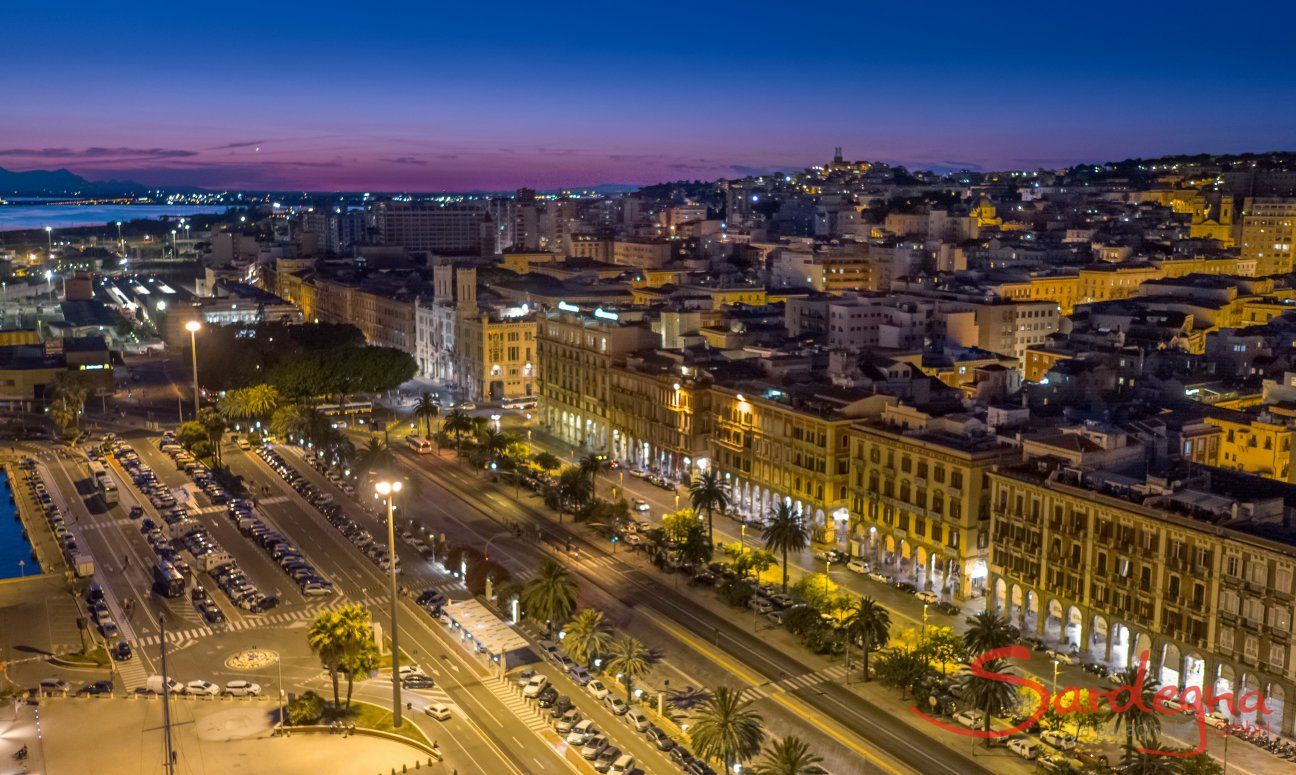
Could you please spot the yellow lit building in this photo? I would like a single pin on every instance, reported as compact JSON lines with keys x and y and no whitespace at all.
{"x":1210,"y":601}
{"x":496,"y":357}
{"x":1257,"y":444}
{"x":919,"y":499}
{"x":769,"y":446}
{"x":1104,"y":282}
{"x":660,"y":416}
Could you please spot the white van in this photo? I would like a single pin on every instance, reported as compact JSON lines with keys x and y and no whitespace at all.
{"x":622,"y":765}
{"x":154,"y":684}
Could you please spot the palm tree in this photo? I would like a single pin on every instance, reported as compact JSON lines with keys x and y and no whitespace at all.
{"x":494,"y":443}
{"x":988,"y":695}
{"x":213,"y":423}
{"x":550,"y":595}
{"x":590,"y":465}
{"x":374,"y":460}
{"x":70,"y":390}
{"x":869,"y":623}
{"x":628,"y":658}
{"x":586,"y":636}
{"x":708,"y":494}
{"x":251,"y":402}
{"x":789,"y":756}
{"x":1140,"y":719}
{"x":785,"y":532}
{"x":457,"y":424}
{"x":363,"y":657}
{"x":573,"y":490}
{"x":336,"y":637}
{"x":727,"y":728}
{"x":1155,"y":763}
{"x":988,"y":630}
{"x":425,"y":410}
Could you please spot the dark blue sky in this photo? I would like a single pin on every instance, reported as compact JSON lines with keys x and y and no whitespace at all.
{"x":431,"y":96}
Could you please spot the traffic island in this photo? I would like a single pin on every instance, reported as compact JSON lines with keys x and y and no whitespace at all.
{"x":364,"y":719}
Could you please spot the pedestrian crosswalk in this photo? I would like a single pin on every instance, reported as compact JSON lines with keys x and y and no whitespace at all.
{"x":428,"y":696}
{"x":181,"y":638}
{"x":132,"y":673}
{"x":510,"y":694}
{"x":796,"y":683}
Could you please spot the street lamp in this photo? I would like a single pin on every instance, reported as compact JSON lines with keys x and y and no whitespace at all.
{"x":388,"y":490}
{"x":1056,"y":665}
{"x":192,"y":327}
{"x":49,"y":240}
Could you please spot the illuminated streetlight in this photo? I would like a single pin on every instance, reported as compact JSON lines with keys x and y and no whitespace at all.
{"x":192,"y":327}
{"x":49,"y":240}
{"x":388,"y":490}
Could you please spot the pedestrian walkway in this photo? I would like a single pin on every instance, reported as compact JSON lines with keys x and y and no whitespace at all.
{"x":180,"y":638}
{"x":131,"y":673}
{"x":510,"y":694}
{"x":796,"y":682}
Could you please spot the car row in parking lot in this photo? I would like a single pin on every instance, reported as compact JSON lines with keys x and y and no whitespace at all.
{"x":567,"y":718}
{"x":54,"y":517}
{"x":323,"y":501}
{"x":282,"y":551}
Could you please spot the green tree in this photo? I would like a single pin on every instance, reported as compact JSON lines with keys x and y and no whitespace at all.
{"x":374,"y":460}
{"x":213,"y":424}
{"x":869,"y":624}
{"x":590,"y":465}
{"x":586,"y":636}
{"x":550,"y":595}
{"x":989,"y":695}
{"x":629,"y":659}
{"x":494,"y":444}
{"x":306,"y":708}
{"x":573,"y":490}
{"x":785,"y":532}
{"x":457,"y":424}
{"x":988,"y":630}
{"x":901,"y":669}
{"x":250,"y":403}
{"x":362,"y":660}
{"x":789,"y":756}
{"x":546,"y":461}
{"x":727,"y":728}
{"x":351,"y":370}
{"x":942,"y":645}
{"x":707,"y":494}
{"x":1135,"y":762}
{"x":748,"y":559}
{"x":1140,"y":719}
{"x":425,"y":411}
{"x":190,"y":433}
{"x":677,"y":525}
{"x":335,"y":636}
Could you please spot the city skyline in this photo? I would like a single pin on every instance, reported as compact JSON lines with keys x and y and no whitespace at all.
{"x":449,"y":101}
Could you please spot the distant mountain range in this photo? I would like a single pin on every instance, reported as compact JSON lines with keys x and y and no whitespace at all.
{"x":61,"y":182}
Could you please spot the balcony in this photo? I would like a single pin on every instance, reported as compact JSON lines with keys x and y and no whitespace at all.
{"x":1228,"y":616}
{"x":1254,"y":588}
{"x":1278,"y":633}
{"x":1230,"y":581}
{"x":1251,"y":624}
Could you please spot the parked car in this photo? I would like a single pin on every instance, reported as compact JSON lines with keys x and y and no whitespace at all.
{"x":242,"y":688}
{"x":1062,"y":656}
{"x":617,"y":705}
{"x":597,"y":689}
{"x":636,"y":718}
{"x":95,"y":689}
{"x":928,"y":597}
{"x":569,"y":718}
{"x":858,"y":566}
{"x":593,"y":747}
{"x":583,"y":731}
{"x":202,"y":688}
{"x":659,"y":739}
{"x":1063,"y":741}
{"x":972,"y":719}
{"x":1024,"y":747}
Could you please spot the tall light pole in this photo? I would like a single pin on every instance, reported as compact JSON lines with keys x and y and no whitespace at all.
{"x":49,"y":241}
{"x":120,"y":245}
{"x":388,"y":490}
{"x":192,"y":327}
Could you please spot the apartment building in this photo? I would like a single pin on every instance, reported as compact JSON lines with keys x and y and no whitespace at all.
{"x":1195,"y":571}
{"x":1268,"y":231}
{"x":576,"y":351}
{"x":442,"y":228}
{"x":659,"y":412}
{"x":919,"y":498}
{"x":772,"y":444}
{"x":495,"y":356}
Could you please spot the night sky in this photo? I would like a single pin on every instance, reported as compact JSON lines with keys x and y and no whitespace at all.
{"x":434,"y":96}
